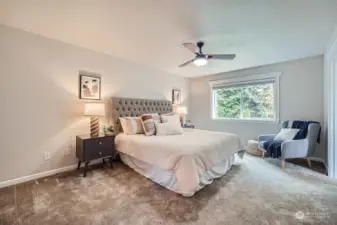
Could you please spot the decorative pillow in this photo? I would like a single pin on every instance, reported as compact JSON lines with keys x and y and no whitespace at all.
{"x":286,"y":134}
{"x":169,"y":114}
{"x":148,"y":125}
{"x":168,"y":129}
{"x":155,"y":117}
{"x":169,"y":119}
{"x":132,"y":125}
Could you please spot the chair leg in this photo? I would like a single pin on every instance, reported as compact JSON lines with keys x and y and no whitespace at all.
{"x":282,"y":163}
{"x":262,"y":154}
{"x":309,"y":162}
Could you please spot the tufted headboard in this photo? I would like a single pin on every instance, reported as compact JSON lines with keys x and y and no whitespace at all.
{"x":122,"y":107}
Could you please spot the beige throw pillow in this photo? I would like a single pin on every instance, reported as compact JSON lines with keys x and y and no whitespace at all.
{"x":132,"y":125}
{"x":148,"y":125}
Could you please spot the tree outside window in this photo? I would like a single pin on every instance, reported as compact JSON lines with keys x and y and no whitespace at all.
{"x":245,"y":102}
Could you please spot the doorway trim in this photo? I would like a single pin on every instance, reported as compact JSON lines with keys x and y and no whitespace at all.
{"x":330,"y":104}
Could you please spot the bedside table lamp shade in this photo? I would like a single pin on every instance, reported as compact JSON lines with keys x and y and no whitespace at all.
{"x":182,"y":110}
{"x":94,"y":110}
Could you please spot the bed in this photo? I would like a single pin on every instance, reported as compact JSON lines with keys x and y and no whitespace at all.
{"x":181,"y":163}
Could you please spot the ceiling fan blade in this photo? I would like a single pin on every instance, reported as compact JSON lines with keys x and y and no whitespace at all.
{"x":222,"y":56}
{"x":186,"y":63}
{"x":192,"y":47}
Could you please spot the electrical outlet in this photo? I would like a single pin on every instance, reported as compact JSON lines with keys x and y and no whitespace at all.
{"x":46,"y":156}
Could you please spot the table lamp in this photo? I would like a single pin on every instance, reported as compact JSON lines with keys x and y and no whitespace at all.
{"x":182,"y":111}
{"x":94,"y":110}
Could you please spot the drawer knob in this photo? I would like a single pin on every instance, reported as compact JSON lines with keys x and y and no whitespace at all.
{"x":100,"y":142}
{"x":100,"y":153}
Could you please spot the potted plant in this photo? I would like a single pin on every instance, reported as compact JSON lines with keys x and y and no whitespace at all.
{"x":108,"y":130}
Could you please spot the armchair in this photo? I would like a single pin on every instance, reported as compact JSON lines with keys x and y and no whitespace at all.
{"x":303,"y":148}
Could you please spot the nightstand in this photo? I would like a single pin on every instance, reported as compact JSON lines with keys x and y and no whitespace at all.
{"x":189,"y":126}
{"x":91,"y":148}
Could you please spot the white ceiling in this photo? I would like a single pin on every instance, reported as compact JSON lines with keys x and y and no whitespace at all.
{"x":150,"y":32}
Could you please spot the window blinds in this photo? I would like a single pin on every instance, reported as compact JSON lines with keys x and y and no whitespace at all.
{"x":244,"y":81}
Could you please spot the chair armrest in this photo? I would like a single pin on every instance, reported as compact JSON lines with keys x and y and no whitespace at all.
{"x":295,"y":149}
{"x":266,"y":137}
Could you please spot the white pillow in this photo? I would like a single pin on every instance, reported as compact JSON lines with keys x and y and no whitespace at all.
{"x":169,"y":114}
{"x":286,"y":134}
{"x":168,"y":129}
{"x":175,"y":118}
{"x":132,"y":125}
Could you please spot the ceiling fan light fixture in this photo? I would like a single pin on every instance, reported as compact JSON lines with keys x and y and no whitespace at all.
{"x":200,"y":61}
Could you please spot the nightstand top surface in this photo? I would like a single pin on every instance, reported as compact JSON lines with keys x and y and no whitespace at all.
{"x":87,"y":136}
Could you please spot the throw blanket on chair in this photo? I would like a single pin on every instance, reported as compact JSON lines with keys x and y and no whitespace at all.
{"x":303,"y":126}
{"x":273,"y":147}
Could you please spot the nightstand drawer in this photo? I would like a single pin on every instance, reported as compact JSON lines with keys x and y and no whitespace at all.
{"x":90,"y":148}
{"x":98,"y":148}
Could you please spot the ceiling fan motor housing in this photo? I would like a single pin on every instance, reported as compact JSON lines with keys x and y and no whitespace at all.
{"x":200,"y":44}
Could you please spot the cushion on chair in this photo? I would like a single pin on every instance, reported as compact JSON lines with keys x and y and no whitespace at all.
{"x":286,"y":134}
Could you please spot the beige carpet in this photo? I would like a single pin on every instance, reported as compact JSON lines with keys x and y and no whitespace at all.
{"x":255,"y":191}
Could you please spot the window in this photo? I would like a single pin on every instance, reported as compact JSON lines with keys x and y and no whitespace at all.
{"x":250,"y":98}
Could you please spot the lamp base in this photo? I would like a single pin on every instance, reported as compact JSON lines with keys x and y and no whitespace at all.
{"x":182,"y":119}
{"x":94,"y":126}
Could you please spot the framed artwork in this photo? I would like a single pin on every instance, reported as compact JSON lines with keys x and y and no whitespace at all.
{"x":176,"y":97}
{"x":90,"y":87}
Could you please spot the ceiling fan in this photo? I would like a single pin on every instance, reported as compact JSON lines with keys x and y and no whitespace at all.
{"x":201,"y":59}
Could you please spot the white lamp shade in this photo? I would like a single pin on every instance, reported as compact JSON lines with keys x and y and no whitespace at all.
{"x":94,"y":109}
{"x":182,"y":110}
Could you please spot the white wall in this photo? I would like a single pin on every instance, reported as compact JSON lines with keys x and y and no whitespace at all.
{"x":40,"y":109}
{"x":301,"y":97}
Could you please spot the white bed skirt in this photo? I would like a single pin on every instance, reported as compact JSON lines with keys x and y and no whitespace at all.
{"x":168,"y":179}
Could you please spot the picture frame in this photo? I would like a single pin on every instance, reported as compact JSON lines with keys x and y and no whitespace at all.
{"x":89,"y":87}
{"x":176,"y":96}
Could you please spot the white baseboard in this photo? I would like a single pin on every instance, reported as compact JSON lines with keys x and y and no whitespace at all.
{"x":43,"y":174}
{"x":36,"y":176}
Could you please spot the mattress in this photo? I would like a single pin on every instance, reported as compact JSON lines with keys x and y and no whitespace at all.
{"x":189,"y":155}
{"x":168,"y":178}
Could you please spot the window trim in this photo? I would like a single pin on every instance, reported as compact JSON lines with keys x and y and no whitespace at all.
{"x":249,"y":78}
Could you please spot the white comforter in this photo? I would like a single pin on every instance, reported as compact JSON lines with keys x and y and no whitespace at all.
{"x":188,"y":154}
